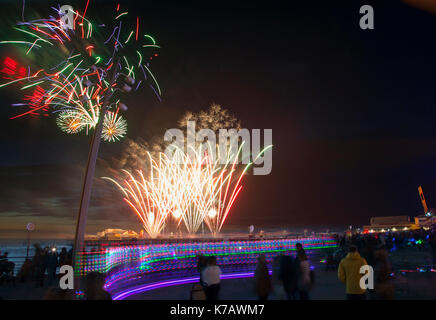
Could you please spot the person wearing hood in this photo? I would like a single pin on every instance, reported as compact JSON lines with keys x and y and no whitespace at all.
{"x":349,"y":273}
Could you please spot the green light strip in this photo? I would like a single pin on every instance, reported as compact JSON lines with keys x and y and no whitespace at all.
{"x":32,"y":34}
{"x":235,"y":253}
{"x":155,"y":81}
{"x":32,"y":85}
{"x":19,"y":42}
{"x":150,"y":37}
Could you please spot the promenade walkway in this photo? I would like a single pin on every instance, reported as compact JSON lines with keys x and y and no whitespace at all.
{"x":408,"y":285}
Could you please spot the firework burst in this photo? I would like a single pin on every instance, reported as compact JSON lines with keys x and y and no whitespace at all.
{"x":71,"y":121}
{"x":149,"y":198}
{"x":71,"y":58}
{"x":74,"y":121}
{"x":114,"y":127}
{"x":192,"y":188}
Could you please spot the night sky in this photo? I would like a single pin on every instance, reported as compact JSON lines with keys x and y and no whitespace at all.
{"x":352,"y":113}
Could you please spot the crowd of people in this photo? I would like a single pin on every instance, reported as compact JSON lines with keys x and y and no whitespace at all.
{"x":6,"y":268}
{"x":39,"y":269}
{"x":373,"y":250}
{"x":291,"y":275}
{"x":418,"y":239}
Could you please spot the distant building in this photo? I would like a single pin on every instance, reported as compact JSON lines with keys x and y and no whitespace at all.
{"x":425,"y":221}
{"x":114,"y":234}
{"x":391,"y":223}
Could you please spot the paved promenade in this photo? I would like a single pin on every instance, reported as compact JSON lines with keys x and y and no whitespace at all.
{"x":409,"y":285}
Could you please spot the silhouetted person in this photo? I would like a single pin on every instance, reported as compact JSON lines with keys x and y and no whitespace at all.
{"x":201,"y":265}
{"x":52,"y":264}
{"x":303,"y":275}
{"x":349,"y":273}
{"x":4,"y":257}
{"x":25,"y":274}
{"x":63,"y":257}
{"x":383,"y":285}
{"x":38,"y":266}
{"x":70,"y":257}
{"x":3,"y":260}
{"x":94,"y":287}
{"x":369,"y":251}
{"x":7,"y":268}
{"x":288,"y":274}
{"x":299,"y":248}
{"x":212,"y":279}
{"x":262,"y":278}
{"x":277,"y":281}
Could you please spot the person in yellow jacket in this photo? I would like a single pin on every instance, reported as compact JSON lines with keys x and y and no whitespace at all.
{"x":349,"y":273}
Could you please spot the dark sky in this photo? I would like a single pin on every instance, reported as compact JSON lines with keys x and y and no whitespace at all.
{"x":352,"y":112}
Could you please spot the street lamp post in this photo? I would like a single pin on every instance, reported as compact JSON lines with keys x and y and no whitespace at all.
{"x":89,"y":175}
{"x":29,"y":228}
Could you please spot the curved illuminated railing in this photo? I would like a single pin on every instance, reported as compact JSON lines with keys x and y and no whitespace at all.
{"x":128,"y":263}
{"x":174,"y":282}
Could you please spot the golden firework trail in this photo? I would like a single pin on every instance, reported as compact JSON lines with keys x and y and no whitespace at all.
{"x":194,"y":188}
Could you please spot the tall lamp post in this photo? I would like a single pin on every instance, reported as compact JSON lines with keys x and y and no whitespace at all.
{"x":68,"y":86}
{"x":89,"y":176}
{"x":29,"y":228}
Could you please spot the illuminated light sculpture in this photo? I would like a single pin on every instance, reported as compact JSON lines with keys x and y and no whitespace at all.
{"x":126,"y":261}
{"x":167,"y":283}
